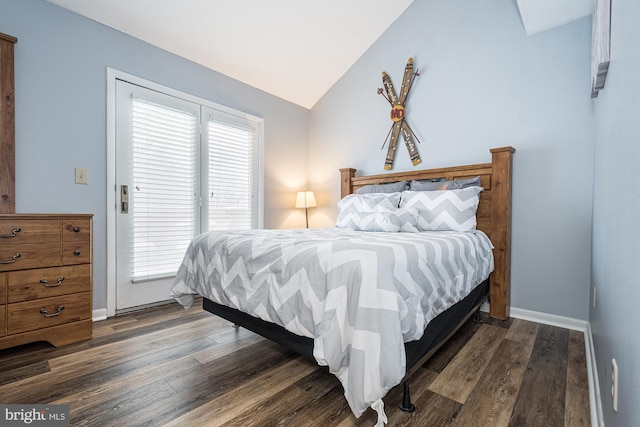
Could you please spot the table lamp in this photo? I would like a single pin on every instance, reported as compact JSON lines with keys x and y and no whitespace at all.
{"x":306,"y":199}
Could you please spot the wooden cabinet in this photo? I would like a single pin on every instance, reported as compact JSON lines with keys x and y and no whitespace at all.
{"x":7,"y":126}
{"x":46,"y":278}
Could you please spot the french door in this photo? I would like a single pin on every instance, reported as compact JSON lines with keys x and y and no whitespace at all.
{"x":181,"y":169}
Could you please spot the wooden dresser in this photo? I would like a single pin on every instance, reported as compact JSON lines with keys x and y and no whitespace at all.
{"x":7,"y":126}
{"x":46,"y":278}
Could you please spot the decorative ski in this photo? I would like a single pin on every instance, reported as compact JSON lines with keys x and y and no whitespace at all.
{"x":400,"y":125}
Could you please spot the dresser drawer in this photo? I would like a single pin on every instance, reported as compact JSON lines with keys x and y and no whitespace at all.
{"x":76,"y":230}
{"x":76,"y":253}
{"x":48,"y":282}
{"x":23,"y":256}
{"x":28,"y":231}
{"x":46,"y":312}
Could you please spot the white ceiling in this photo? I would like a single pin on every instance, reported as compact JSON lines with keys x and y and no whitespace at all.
{"x":294,"y":49}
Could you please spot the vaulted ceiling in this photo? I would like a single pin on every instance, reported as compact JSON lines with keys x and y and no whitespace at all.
{"x":293,"y":49}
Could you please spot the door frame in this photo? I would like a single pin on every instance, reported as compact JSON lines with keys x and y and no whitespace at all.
{"x":112,"y":190}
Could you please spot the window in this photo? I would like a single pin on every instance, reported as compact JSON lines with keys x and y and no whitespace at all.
{"x":190,"y":167}
{"x":164,"y":152}
{"x":231,"y":146}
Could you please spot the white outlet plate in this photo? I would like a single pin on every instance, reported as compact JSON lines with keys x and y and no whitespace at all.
{"x":614,"y":384}
{"x":82,"y":176}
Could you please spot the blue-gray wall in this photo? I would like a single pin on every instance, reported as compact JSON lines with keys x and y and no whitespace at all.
{"x":60,"y":71}
{"x":615,"y":321}
{"x":482,"y":84}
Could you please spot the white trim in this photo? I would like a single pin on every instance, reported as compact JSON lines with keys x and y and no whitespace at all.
{"x":99,"y":314}
{"x":544,"y":318}
{"x":550,"y":319}
{"x":595,"y":398}
{"x":112,"y":75}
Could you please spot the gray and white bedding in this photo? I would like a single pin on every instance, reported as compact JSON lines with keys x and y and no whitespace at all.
{"x":359,"y":295}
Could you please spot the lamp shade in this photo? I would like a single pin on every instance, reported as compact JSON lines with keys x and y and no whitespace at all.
{"x":306,"y":199}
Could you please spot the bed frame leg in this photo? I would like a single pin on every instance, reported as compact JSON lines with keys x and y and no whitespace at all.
{"x":476,"y":317}
{"x":406,"y":404}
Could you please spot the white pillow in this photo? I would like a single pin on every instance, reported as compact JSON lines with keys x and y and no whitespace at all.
{"x":446,"y":210}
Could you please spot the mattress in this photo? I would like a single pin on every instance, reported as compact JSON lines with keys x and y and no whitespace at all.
{"x":359,"y":295}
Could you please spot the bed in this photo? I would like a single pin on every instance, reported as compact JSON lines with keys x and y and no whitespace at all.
{"x":372,"y":337}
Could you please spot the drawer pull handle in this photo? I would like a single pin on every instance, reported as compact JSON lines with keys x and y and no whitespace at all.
{"x":74,"y":228}
{"x":47,"y":285}
{"x":46,"y":314}
{"x":13,"y":233}
{"x":76,"y":252}
{"x":12,"y":260}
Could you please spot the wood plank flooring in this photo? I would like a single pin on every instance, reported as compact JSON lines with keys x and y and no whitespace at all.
{"x":165,"y":366}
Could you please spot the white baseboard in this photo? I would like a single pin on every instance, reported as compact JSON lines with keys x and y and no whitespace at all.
{"x":99,"y":314}
{"x":544,"y":318}
{"x":550,"y":319}
{"x":595,"y":399}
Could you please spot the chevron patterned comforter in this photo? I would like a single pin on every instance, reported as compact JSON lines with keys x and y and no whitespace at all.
{"x":358,"y":295}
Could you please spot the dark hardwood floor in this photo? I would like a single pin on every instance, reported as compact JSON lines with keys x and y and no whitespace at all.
{"x":168,"y":367}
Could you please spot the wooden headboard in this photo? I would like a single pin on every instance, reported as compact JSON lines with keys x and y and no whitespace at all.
{"x":493,"y":215}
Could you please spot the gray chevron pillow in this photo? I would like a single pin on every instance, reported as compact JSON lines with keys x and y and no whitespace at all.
{"x":401,"y":219}
{"x":353,"y":204}
{"x":446,"y":210}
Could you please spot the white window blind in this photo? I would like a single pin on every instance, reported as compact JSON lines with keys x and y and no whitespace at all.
{"x":231,"y":145}
{"x":164,"y":189}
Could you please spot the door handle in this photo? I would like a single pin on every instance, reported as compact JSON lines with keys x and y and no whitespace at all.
{"x":124,"y":199}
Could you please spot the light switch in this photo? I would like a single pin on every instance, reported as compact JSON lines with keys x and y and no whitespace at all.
{"x":82,"y":176}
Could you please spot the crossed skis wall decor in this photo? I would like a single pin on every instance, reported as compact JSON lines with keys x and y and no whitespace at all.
{"x":400,"y":124}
